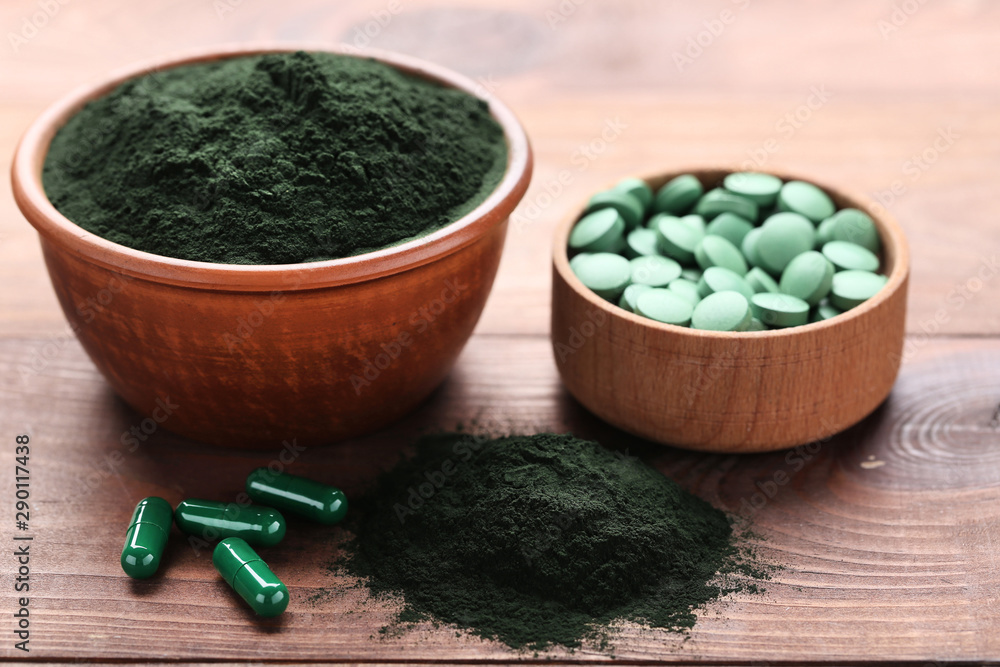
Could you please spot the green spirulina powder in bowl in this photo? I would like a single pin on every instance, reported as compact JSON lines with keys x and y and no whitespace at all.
{"x":274,"y":159}
{"x":542,"y":540}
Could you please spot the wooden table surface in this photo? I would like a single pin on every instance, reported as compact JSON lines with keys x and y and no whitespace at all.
{"x":888,"y":533}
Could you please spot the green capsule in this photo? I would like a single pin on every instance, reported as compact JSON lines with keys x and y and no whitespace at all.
{"x":146,"y":537}
{"x":212,"y":520}
{"x":298,"y":495}
{"x":250,"y":576}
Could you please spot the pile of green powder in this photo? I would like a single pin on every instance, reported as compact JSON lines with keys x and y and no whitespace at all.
{"x":274,"y":159}
{"x":540,"y":540}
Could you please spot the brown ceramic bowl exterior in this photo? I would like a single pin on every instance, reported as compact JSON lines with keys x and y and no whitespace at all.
{"x":253,"y":355}
{"x":730,"y":392}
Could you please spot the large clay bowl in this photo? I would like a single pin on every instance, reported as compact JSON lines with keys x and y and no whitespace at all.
{"x":254,"y":355}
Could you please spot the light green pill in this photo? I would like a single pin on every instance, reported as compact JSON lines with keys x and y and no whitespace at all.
{"x":762,"y":189}
{"x":749,"y":246}
{"x":718,"y":201}
{"x":854,"y":226}
{"x":629,"y":296}
{"x":717,"y":251}
{"x":761,"y":281}
{"x":639,"y":189}
{"x":678,"y":195}
{"x":692,"y":274}
{"x":722,"y":311}
{"x":627,"y":206}
{"x":676,"y":239}
{"x":756,"y":325}
{"x":654,"y":270}
{"x":685,"y":289}
{"x":809,"y":277}
{"x":784,"y":236}
{"x":779,"y":310}
{"x":719,"y":279}
{"x":806,"y":200}
{"x":852,"y":288}
{"x":606,"y":274}
{"x":824,"y":232}
{"x":731,"y":227}
{"x":664,"y":306}
{"x":824,"y":311}
{"x":695,"y":222}
{"x":655,"y":220}
{"x":597,"y":232}
{"x":574,"y":264}
{"x":641,"y":242}
{"x":850,"y":257}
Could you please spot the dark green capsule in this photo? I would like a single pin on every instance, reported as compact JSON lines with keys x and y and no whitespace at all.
{"x":297,"y":495}
{"x":212,"y":520}
{"x":250,"y":576}
{"x":146,"y":537}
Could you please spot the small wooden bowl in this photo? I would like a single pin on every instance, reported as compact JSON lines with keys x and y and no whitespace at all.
{"x":253,"y":355}
{"x":730,"y":392}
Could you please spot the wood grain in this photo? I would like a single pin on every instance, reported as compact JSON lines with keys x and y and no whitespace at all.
{"x":888,"y":98}
{"x":887,"y":534}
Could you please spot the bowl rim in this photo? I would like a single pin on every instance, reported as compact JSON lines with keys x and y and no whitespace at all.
{"x":889,"y":230}
{"x":29,"y":193}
